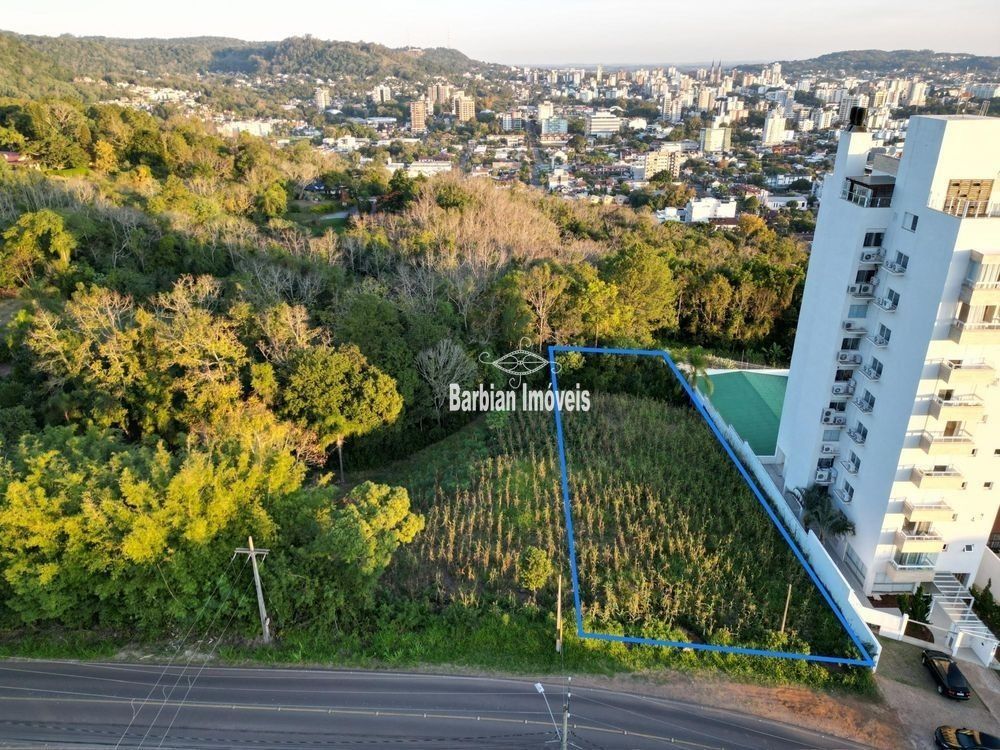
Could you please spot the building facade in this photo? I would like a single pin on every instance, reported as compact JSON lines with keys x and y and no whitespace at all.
{"x":892,"y":398}
{"x":418,"y":116}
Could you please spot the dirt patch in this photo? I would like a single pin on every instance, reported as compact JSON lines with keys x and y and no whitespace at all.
{"x":840,"y":715}
{"x":919,"y":631}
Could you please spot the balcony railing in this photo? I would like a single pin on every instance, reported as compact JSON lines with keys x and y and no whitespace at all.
{"x":940,"y":443}
{"x":877,"y":340}
{"x":930,"y":511}
{"x":978,"y":332}
{"x":857,"y":436}
{"x":866,"y":201}
{"x":950,"y":478}
{"x":850,"y":466}
{"x":971,"y":209}
{"x":864,"y":406}
{"x":886,"y":303}
{"x":841,"y":494}
{"x":894,"y":268}
{"x":970,"y":373}
{"x":919,"y":562}
{"x":871,"y":373}
{"x":958,"y":408}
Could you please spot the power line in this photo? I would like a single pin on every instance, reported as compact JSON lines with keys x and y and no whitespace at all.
{"x":166,"y":696}
{"x":191,"y":683}
{"x":180,"y":646}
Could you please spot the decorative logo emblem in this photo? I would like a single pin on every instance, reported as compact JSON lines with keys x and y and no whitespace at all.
{"x":517,"y":363}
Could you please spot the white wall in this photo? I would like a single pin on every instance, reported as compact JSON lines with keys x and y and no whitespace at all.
{"x":989,"y":569}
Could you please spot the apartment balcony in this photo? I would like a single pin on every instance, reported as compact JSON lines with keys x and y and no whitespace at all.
{"x":833,"y":417}
{"x":865,"y":407}
{"x":855,"y":326}
{"x":969,"y":408}
{"x":980,"y":293}
{"x":857,"y":436}
{"x":975,"y":334}
{"x":936,"y":511}
{"x":869,"y":191}
{"x":939,"y":444}
{"x":874,"y":255}
{"x":841,"y":495}
{"x":966,"y":373}
{"x":843,"y":388}
{"x":849,"y":357}
{"x":971,"y":209}
{"x":877,"y":340}
{"x":893,"y":268}
{"x":889,"y":305}
{"x":911,"y":541}
{"x":850,"y":467}
{"x":871,"y":373}
{"x":917,"y":570}
{"x":862,"y":290}
{"x":931,"y":479}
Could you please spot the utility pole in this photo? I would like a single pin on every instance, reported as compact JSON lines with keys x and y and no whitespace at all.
{"x":788,"y":600}
{"x":559,"y":617}
{"x":265,"y":624}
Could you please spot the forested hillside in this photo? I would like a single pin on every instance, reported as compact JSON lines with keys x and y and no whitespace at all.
{"x":903,"y":61}
{"x":99,"y":57}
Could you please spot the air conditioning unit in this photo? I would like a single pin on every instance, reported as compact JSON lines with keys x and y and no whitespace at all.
{"x":870,"y":256}
{"x":848,"y":357}
{"x":894,"y":267}
{"x":823,"y":475}
{"x":832,"y":416}
{"x":849,"y":325}
{"x":862,"y":288}
{"x":828,"y":448}
{"x":842,"y":389}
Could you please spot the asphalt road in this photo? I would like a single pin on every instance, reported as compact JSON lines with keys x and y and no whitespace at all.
{"x":102,"y":705}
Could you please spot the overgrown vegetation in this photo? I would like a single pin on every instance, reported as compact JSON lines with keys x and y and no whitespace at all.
{"x":184,"y":365}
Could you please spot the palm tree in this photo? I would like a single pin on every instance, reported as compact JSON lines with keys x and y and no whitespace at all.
{"x":696,"y":369}
{"x":821,"y":515}
{"x":775,"y":354}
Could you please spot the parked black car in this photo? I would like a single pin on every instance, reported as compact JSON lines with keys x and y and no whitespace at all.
{"x":949,"y":678}
{"x":950,"y":738}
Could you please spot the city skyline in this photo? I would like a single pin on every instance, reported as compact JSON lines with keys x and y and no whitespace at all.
{"x":586,"y":32}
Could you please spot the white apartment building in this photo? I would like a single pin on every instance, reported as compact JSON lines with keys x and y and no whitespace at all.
{"x":892,"y":399}
{"x":774,"y":128}
{"x":602,"y":123}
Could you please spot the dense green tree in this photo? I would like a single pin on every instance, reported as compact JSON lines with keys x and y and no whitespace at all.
{"x":38,"y":241}
{"x":338,"y":394}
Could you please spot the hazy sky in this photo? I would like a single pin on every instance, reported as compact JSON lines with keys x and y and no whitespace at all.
{"x":548,"y":31}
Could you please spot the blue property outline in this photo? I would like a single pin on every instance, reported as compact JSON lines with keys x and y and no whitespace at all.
{"x":866,"y":661}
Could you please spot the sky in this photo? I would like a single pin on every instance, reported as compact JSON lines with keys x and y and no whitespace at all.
{"x":527,"y":32}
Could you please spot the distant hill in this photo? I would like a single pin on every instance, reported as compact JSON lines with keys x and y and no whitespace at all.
{"x":908,"y":61}
{"x":28,"y":63}
{"x":25,"y":71}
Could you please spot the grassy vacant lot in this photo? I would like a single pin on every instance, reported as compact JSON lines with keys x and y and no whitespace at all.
{"x":671,"y":544}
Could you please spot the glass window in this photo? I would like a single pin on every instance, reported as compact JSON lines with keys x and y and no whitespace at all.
{"x":857,"y":311}
{"x":831,"y":436}
{"x":910,"y":221}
